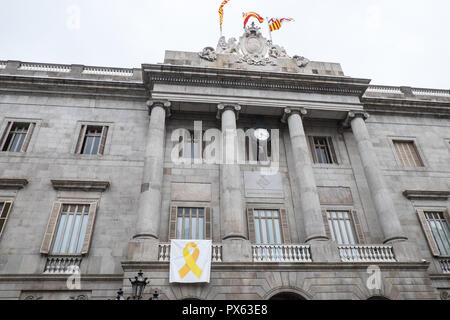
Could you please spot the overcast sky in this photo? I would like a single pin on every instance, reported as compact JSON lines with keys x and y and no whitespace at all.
{"x":392,"y":42}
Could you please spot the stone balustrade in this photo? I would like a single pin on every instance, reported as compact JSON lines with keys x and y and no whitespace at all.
{"x":445,"y":265}
{"x":281,"y":253}
{"x":108,"y":71}
{"x":62,"y":265}
{"x":366,"y":253}
{"x":164,"y":252}
{"x":44,"y":67}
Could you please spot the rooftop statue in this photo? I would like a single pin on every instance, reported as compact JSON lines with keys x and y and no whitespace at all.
{"x":253,"y":48}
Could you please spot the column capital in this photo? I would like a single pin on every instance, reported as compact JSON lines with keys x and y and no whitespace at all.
{"x":166,"y":104}
{"x":287,"y":112}
{"x":221,"y":107}
{"x":353,"y":115}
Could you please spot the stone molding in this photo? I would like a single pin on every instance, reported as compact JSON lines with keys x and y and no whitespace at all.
{"x":13,"y":183}
{"x":426,"y":195}
{"x":166,"y":104}
{"x":80,"y":185}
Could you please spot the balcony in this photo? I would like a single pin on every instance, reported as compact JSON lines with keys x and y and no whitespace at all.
{"x":281,"y":253}
{"x":366,"y":253}
{"x":164,"y":252}
{"x":62,"y":265}
{"x":445,"y":265}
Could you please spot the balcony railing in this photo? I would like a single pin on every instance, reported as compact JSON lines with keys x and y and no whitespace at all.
{"x":281,"y":253}
{"x":62,"y":265}
{"x":108,"y":71}
{"x":445,"y":265}
{"x":44,"y":67}
{"x":164,"y":252}
{"x":366,"y":253}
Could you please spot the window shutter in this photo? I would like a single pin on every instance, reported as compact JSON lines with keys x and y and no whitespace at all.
{"x":251,"y":225}
{"x":358,"y":229}
{"x":48,"y":236}
{"x":89,"y":228}
{"x":285,"y":226}
{"x":5,"y":214}
{"x":173,"y":222}
{"x":208,"y":229}
{"x":312,"y":146}
{"x":426,"y":229}
{"x":28,"y":137}
{"x":332,"y":150}
{"x":325,"y":224}
{"x":101,"y":149}
{"x":81,"y":139}
{"x":5,"y":134}
{"x":447,"y":218}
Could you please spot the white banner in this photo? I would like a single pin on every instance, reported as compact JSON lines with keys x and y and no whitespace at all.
{"x":190,"y":261}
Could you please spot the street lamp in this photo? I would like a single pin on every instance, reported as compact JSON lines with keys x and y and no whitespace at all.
{"x":138,"y":286}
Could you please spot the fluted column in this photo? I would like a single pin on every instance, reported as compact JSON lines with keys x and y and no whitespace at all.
{"x":150,"y":198}
{"x":231,"y":202}
{"x":309,"y":198}
{"x":381,"y":196}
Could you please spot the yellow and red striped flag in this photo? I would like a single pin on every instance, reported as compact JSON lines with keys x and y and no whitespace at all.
{"x":249,"y":15}
{"x":221,"y":13}
{"x":275,"y":24}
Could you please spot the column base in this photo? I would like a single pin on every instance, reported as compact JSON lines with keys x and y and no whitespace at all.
{"x":237,"y":250}
{"x":392,"y":240}
{"x":143,"y":250}
{"x":405,"y":251}
{"x":317,"y":238}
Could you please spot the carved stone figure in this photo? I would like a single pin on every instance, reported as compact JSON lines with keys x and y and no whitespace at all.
{"x":277,"y":51}
{"x":227,"y":47}
{"x":208,"y":53}
{"x":301,"y":61}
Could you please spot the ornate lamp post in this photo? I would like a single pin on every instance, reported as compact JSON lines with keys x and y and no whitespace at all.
{"x":137,"y":288}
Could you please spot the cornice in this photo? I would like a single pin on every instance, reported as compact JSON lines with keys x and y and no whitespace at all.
{"x":13,"y":183}
{"x":80,"y":185}
{"x":71,"y":86}
{"x":426,"y":195}
{"x":235,"y":78}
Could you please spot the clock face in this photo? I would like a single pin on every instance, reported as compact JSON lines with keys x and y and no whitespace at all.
{"x":262,"y":134}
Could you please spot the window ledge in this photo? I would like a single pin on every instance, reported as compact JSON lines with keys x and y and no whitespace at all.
{"x":13,"y":183}
{"x":426,"y":195}
{"x":80,"y":185}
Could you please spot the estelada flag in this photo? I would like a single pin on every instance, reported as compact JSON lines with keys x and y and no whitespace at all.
{"x":190,"y":261}
{"x":275,"y":24}
{"x":249,"y":15}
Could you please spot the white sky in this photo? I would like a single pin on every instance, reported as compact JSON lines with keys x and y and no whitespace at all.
{"x":392,"y":42}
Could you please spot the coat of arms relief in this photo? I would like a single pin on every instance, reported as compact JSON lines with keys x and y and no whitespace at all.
{"x":253,"y":48}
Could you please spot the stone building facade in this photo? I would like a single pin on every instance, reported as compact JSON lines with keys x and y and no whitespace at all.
{"x":351,"y":203}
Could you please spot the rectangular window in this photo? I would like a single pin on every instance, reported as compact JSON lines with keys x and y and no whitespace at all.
{"x":407,"y":153}
{"x":322,"y":149}
{"x":439,"y":228}
{"x":71,"y":229}
{"x":92,"y":139}
{"x":193,"y":145}
{"x":191,"y":223}
{"x":16,"y":137}
{"x":5,"y":207}
{"x":341,"y":226}
{"x":267,"y":226}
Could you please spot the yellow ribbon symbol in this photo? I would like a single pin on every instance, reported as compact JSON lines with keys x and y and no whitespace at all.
{"x":191,"y":261}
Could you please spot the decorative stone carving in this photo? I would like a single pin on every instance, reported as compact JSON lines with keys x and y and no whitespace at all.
{"x":301,"y":61}
{"x":208,"y":53}
{"x":444,"y":295}
{"x":227,"y":47}
{"x":277,"y":51}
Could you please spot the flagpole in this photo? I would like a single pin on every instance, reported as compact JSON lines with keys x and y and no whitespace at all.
{"x":270,"y":33}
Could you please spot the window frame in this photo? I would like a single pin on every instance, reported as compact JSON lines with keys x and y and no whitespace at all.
{"x":283,"y":221}
{"x":80,"y":135}
{"x":29,"y":137}
{"x":331,"y":146}
{"x":54,"y":220}
{"x":429,"y":236}
{"x":7,"y":215}
{"x":420,"y":154}
{"x":173,"y":219}
{"x":355,"y":220}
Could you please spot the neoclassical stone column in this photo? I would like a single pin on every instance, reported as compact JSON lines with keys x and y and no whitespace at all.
{"x":309,"y":198}
{"x":149,"y":211}
{"x":231,"y":202}
{"x":381,"y":196}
